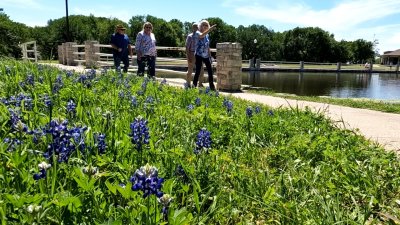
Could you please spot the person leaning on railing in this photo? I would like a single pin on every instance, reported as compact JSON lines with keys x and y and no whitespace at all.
{"x":121,"y":44}
{"x":146,"y":51}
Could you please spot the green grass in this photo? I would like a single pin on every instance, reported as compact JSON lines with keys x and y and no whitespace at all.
{"x":275,"y":166}
{"x":378,"y":105}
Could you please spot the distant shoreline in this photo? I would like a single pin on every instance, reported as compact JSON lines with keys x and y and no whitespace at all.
{"x":294,"y":70}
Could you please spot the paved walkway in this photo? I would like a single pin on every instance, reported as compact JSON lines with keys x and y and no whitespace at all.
{"x":383,"y":128}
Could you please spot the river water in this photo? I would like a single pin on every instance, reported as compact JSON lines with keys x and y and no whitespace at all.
{"x":341,"y":85}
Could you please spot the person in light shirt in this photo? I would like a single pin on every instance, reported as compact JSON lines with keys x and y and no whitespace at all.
{"x":191,"y":43}
{"x":146,"y":51}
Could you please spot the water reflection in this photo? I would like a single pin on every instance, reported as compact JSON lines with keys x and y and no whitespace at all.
{"x":342,"y":85}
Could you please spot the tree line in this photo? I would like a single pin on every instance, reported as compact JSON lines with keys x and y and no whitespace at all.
{"x":310,"y":44}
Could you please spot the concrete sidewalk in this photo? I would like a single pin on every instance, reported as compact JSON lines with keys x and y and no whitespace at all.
{"x":383,"y":128}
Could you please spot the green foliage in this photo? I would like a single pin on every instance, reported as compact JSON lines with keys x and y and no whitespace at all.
{"x":278,"y":166}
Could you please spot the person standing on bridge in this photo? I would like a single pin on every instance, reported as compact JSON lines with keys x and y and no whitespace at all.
{"x":121,"y":45}
{"x":146,"y":50}
{"x":191,"y":43}
{"x":203,"y":53}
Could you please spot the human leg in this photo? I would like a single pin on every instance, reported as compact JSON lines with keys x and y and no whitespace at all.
{"x":117,"y":62}
{"x":190,"y":71}
{"x":210,"y":73}
{"x":141,"y":63}
{"x":199,"y":62}
{"x":125,"y":60}
{"x":201,"y":77}
{"x":151,"y":63}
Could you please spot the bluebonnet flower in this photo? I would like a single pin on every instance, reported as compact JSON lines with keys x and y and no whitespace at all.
{"x":197,"y":101}
{"x":165,"y":200}
{"x":207,"y":90}
{"x":30,"y":80}
{"x":249,"y":111}
{"x":203,"y":141}
{"x":164,"y":81}
{"x":69,"y":73}
{"x":257,"y":109}
{"x":101,"y":143}
{"x":58,"y":84}
{"x":47,"y":101}
{"x":40,"y":79}
{"x":134,"y":102}
{"x":28,"y":103}
{"x":14,"y":117}
{"x":146,"y":180}
{"x":63,"y":140}
{"x":36,"y":135}
{"x":12,"y":143}
{"x":190,"y":107}
{"x":228,"y":105}
{"x":121,"y":94}
{"x":77,"y":133}
{"x":91,"y":73}
{"x":270,"y":112}
{"x":139,"y":133}
{"x":149,"y":99}
{"x":180,"y":172}
{"x":104,"y":71}
{"x":43,"y":166}
{"x":71,"y":107}
{"x":81,"y":79}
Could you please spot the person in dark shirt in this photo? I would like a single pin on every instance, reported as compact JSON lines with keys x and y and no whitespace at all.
{"x":121,"y":46}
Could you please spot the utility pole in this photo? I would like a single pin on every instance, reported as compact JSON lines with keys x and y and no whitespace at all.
{"x":67,"y":21}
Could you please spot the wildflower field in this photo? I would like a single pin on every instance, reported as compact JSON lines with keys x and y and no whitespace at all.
{"x":109,"y":148}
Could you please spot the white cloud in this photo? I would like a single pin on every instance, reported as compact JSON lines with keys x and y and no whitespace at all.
{"x":347,"y":20}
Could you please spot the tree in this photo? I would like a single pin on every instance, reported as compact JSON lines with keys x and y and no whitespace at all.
{"x":362,"y":51}
{"x":11,"y":35}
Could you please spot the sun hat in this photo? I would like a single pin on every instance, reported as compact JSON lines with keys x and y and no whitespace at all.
{"x":120,"y":27}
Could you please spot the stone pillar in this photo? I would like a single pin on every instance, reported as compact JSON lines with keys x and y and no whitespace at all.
{"x":64,"y":58}
{"x":229,"y":66}
{"x":91,"y":57}
{"x":258,"y":64}
{"x":60,"y":54}
{"x":69,"y":53}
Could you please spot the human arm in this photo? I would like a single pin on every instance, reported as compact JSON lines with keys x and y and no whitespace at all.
{"x":130,"y":50}
{"x":113,"y":45}
{"x":202,"y":35}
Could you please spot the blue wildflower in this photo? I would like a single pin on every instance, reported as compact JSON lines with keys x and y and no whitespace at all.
{"x":190,"y":107}
{"x":43,"y":166}
{"x":257,"y":109}
{"x":146,"y":180}
{"x":165,"y":200}
{"x":139,"y":133}
{"x":203,"y":141}
{"x":71,"y":107}
{"x":270,"y":112}
{"x":101,"y":143}
{"x":249,"y":111}
{"x":134,"y":102}
{"x":197,"y":101}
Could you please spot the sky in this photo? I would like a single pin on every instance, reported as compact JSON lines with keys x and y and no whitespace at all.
{"x":346,"y":19}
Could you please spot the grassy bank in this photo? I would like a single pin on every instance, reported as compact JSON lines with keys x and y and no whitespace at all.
{"x":378,"y":105}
